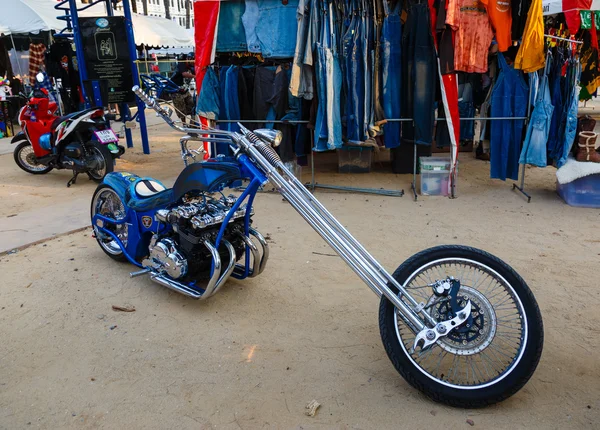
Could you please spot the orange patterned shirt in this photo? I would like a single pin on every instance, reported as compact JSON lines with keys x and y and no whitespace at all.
{"x":473,"y":35}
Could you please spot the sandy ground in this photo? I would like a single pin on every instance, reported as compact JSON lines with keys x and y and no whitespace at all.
{"x":253,"y":356}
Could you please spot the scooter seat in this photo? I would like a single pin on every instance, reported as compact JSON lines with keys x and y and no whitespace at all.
{"x":61,"y":119}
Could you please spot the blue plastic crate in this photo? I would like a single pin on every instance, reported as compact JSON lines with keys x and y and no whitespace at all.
{"x":583,"y":192}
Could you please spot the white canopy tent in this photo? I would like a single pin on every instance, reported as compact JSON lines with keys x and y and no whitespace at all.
{"x":551,"y":7}
{"x":33,"y":16}
{"x":29,"y":16}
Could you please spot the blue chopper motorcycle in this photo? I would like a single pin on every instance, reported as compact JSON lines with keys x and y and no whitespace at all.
{"x":458,"y":324}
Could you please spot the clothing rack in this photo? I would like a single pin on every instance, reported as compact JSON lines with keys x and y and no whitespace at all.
{"x":313,"y":184}
{"x":383,"y":192}
{"x":413,"y":184}
{"x":521,"y":186}
{"x":579,"y":42}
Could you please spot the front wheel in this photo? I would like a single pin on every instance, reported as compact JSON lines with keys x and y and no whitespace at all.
{"x":492,"y":354}
{"x":26,"y":159}
{"x":99,"y":160}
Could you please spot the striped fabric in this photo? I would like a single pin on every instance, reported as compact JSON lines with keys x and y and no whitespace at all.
{"x":36,"y":60}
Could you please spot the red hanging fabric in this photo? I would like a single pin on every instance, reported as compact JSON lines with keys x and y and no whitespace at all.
{"x":573,"y":19}
{"x":206,"y":13}
{"x":449,"y":90}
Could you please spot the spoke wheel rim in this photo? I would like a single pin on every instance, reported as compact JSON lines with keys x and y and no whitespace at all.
{"x":501,"y":349}
{"x":97,"y":156}
{"x":108,"y":203}
{"x":29,"y":160}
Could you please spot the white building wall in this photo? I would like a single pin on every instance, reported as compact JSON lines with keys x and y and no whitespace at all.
{"x":157,"y":8}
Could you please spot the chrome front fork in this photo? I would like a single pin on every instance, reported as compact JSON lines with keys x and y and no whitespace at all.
{"x":349,"y":249}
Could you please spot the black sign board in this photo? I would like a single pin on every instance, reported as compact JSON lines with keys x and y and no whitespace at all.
{"x":107,"y":56}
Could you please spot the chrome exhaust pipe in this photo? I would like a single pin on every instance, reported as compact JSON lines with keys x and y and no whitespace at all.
{"x":175,"y":286}
{"x":265,"y":249}
{"x":255,"y":258}
{"x":217,"y":280}
{"x":230,"y":266}
{"x":212,"y":283}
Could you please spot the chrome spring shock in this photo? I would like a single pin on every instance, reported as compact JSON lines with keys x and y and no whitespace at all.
{"x":265,"y":150}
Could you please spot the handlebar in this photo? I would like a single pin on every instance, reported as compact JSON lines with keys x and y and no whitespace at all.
{"x":153,"y":104}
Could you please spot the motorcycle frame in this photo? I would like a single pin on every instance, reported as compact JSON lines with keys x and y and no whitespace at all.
{"x":136,"y":230}
{"x":261,"y":163}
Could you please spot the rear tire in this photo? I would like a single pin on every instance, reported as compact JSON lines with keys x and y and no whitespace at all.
{"x":110,"y":247}
{"x":103,"y":156}
{"x":445,"y":383}
{"x":26,"y":160}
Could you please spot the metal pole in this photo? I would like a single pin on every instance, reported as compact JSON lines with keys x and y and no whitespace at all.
{"x":79,"y":50}
{"x":146,"y":59}
{"x":521,"y":187}
{"x":414,"y":181}
{"x":312,"y":161}
{"x":136,"y":81}
{"x":17,"y":59}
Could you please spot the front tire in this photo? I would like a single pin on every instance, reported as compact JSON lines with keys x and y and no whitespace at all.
{"x":102,"y":160}
{"x":108,"y":203}
{"x":26,"y":160}
{"x":473,"y":366}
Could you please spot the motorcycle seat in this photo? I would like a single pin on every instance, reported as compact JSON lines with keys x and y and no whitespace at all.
{"x":145,"y":188}
{"x":60,"y":119}
{"x":147,"y":194}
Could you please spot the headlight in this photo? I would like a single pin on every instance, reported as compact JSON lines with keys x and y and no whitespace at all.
{"x":274,"y":137}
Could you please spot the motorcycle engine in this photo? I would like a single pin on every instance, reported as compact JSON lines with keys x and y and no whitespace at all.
{"x":182,"y":253}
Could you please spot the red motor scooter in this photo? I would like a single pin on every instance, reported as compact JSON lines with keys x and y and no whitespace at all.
{"x":81,"y":141}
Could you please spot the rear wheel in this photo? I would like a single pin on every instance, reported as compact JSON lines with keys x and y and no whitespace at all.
{"x":100,"y":161}
{"x":492,"y":354}
{"x":26,"y":159}
{"x":108,"y":203}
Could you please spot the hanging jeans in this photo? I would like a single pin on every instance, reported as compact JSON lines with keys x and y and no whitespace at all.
{"x":277,"y":27}
{"x":232,"y":102}
{"x":355,"y":132}
{"x":419,"y":74}
{"x":223,"y":148}
{"x":466,"y":109}
{"x":231,"y":36}
{"x":328,"y":130}
{"x":208,"y":105}
{"x":302,"y":71}
{"x":378,"y":113}
{"x":250,"y":21}
{"x":534,"y":84}
{"x":534,"y":146}
{"x":555,"y":82}
{"x":509,"y":99}
{"x":569,"y":135}
{"x":246,"y":94}
{"x":391,"y":44}
{"x":367,"y":54}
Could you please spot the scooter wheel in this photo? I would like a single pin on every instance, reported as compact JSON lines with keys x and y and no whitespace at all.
{"x":103,"y":159}
{"x":26,"y":160}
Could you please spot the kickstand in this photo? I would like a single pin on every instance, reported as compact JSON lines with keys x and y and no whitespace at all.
{"x":73,"y":179}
